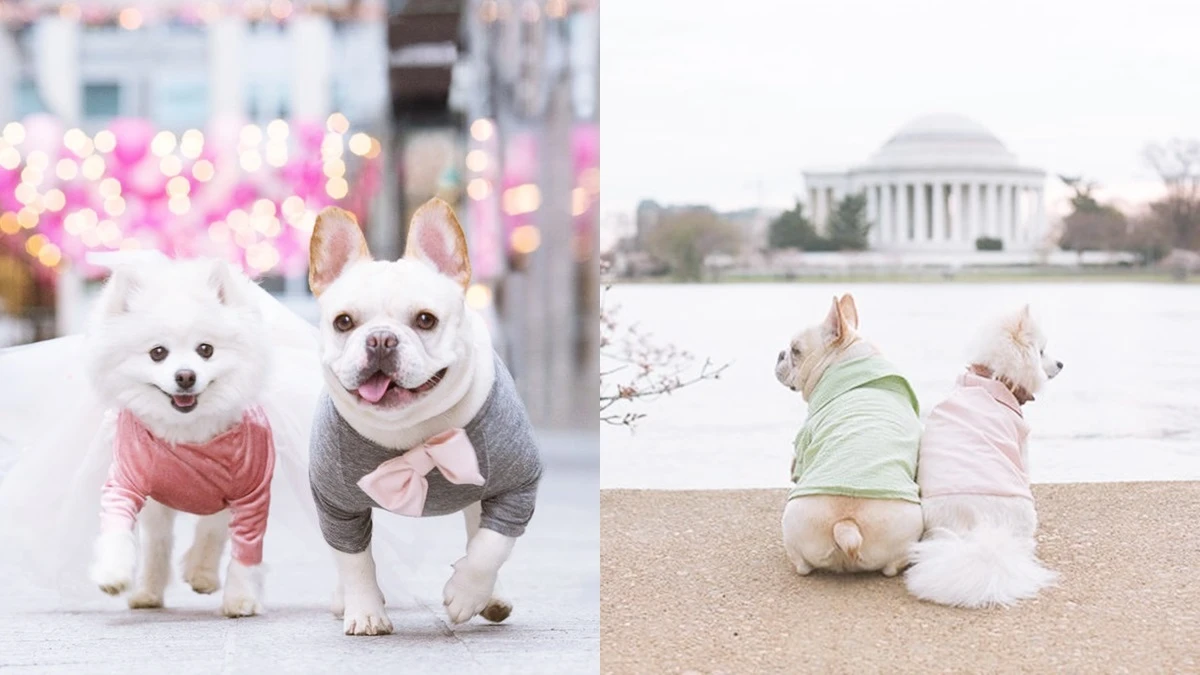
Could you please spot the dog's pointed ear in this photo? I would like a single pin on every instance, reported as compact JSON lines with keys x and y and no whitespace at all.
{"x":835,"y":323}
{"x":223,"y":280}
{"x":122,"y":283}
{"x":337,"y":242}
{"x":849,"y":310}
{"x":436,"y":238}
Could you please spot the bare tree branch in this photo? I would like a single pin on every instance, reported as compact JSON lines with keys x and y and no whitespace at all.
{"x":647,"y":368}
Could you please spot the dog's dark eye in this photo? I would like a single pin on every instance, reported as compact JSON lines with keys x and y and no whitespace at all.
{"x":796,"y":352}
{"x":426,"y":321}
{"x":158,"y":353}
{"x":343,"y":323}
{"x":205,"y":350}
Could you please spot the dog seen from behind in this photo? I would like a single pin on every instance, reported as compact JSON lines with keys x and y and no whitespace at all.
{"x":854,"y":505}
{"x":980,"y":520}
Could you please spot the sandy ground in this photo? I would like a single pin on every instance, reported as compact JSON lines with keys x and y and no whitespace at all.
{"x":552,"y":579}
{"x":697,"y":582}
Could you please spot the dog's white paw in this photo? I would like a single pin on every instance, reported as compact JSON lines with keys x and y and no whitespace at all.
{"x":242,"y":589}
{"x":200,"y":569}
{"x":145,"y":599}
{"x":116,"y":556}
{"x":364,"y":615}
{"x":468,"y":592}
{"x":202,"y":580}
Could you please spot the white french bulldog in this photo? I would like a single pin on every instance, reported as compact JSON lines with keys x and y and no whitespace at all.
{"x":405,"y":363}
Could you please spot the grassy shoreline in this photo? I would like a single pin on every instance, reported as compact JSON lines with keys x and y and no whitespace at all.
{"x":933,"y":277}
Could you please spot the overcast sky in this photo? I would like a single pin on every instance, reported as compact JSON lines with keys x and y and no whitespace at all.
{"x":703,"y":101}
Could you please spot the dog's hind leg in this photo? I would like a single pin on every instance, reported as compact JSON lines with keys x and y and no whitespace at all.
{"x":156,"y":523}
{"x":201,"y":563}
{"x":498,"y":608}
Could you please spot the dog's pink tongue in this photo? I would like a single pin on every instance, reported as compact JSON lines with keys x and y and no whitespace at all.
{"x":374,"y":388}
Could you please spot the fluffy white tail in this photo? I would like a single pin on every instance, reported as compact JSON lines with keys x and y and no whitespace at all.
{"x":985,"y":567}
{"x":848,"y":538}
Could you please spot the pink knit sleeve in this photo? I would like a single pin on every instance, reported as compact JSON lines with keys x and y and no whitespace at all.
{"x":248,"y":514}
{"x":122,"y":498}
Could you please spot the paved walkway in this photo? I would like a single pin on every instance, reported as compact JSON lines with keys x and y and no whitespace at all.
{"x":698,"y":582}
{"x":552,"y":579}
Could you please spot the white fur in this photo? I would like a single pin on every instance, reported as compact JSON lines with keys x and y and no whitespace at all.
{"x":360,"y":598}
{"x":840,"y":534}
{"x":381,"y":295}
{"x":177,"y":305}
{"x":978,"y":550}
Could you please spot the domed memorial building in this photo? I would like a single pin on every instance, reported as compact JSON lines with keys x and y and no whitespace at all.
{"x":940,"y":184}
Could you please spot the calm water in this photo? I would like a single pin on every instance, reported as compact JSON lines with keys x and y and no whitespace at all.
{"x":1126,"y":406}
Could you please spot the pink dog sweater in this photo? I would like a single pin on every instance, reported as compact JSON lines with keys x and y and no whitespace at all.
{"x":972,"y":443}
{"x":233,"y":470}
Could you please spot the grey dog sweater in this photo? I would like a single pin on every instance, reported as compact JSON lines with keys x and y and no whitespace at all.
{"x":504,"y":446}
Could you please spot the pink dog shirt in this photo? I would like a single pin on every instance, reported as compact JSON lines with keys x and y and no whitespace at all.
{"x":230,"y":471}
{"x":972,"y":443}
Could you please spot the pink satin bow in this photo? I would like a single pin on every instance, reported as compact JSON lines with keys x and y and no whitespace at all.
{"x":399,"y":484}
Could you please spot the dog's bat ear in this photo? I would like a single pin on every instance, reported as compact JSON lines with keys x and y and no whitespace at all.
{"x":436,"y":238}
{"x":122,"y":283}
{"x":834,"y":323}
{"x":849,"y":310}
{"x":337,"y":242}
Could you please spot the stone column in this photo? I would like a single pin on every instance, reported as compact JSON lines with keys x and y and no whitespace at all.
{"x":1004,"y":209}
{"x":992,"y":208}
{"x":1038,"y":230}
{"x":311,"y":51}
{"x":975,"y":223}
{"x":226,"y":51}
{"x":902,"y":214}
{"x":954,"y":231}
{"x":920,"y":214}
{"x":888,"y":211}
{"x":1017,"y":220}
{"x":939,"y":212}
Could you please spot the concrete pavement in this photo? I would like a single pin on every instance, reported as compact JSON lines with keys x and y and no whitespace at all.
{"x":552,"y":579}
{"x":697,"y":582}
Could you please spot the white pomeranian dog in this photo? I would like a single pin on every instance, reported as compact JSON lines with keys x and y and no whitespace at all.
{"x":973,"y":469}
{"x":180,"y":349}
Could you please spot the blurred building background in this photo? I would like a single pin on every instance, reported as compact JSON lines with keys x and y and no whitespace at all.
{"x":220,"y":127}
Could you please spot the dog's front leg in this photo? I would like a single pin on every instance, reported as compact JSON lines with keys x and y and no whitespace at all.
{"x":470,"y":588}
{"x":498,"y":608}
{"x":243,"y":588}
{"x":157,"y":534}
{"x":202,"y":560}
{"x":114,"y":561}
{"x":363,"y":612}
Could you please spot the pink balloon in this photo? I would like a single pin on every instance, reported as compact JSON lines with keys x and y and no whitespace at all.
{"x":310,"y":134}
{"x":133,"y":139}
{"x":146,"y":181}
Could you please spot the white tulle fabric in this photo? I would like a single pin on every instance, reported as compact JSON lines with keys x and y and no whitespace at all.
{"x":55,"y":450}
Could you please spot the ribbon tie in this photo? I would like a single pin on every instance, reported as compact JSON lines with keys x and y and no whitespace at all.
{"x":399,"y":484}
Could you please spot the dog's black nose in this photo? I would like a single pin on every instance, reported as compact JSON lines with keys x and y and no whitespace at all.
{"x":186,"y":379}
{"x":781,"y":355}
{"x":381,"y":340}
{"x":1059,"y":364}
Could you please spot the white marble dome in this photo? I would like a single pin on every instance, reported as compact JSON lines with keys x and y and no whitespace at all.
{"x":941,"y":183}
{"x":942,"y":141}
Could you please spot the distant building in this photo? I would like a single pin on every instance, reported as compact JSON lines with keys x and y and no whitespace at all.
{"x":755,"y":226}
{"x":939,"y":184}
